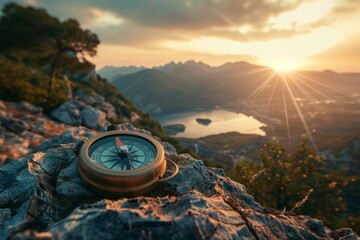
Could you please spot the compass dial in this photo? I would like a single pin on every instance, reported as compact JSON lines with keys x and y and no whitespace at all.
{"x":122,"y":152}
{"x":122,"y":163}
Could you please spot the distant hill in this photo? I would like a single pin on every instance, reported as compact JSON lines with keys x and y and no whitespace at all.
{"x":111,"y":72}
{"x":199,"y":85}
{"x":189,"y":85}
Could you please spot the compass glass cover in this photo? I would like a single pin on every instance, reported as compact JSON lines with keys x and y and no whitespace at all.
{"x":122,"y":152}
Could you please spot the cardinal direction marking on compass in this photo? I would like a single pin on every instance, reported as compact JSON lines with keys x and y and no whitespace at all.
{"x":135,"y":160}
{"x":114,"y":164}
{"x":112,"y":151}
{"x":110,"y":156}
{"x":111,"y":160}
{"x":134,"y":151}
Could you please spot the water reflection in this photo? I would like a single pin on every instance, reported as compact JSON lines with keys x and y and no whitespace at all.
{"x":221,"y":121}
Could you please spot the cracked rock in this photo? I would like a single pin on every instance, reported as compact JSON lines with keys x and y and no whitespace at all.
{"x":41,"y":197}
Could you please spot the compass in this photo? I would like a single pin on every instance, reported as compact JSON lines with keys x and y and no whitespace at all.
{"x":122,"y":163}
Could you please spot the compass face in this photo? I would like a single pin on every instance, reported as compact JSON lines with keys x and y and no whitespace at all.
{"x":122,"y":152}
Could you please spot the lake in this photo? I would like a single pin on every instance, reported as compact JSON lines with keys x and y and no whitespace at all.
{"x":221,"y":121}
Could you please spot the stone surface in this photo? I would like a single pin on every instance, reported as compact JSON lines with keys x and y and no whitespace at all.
{"x":72,"y":135}
{"x":41,"y":197}
{"x":94,"y":118}
{"x":29,"y":108}
{"x":87,"y":111}
{"x":23,"y":127}
{"x":82,"y":96}
{"x":69,"y":112}
{"x":109,"y":109}
{"x":2,"y":105}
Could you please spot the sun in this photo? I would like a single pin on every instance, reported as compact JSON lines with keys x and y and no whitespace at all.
{"x":283,"y":65}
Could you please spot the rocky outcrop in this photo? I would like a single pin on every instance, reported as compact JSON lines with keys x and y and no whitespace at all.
{"x":82,"y":111}
{"x":69,"y":112}
{"x":23,"y":128}
{"x":94,"y":118}
{"x":99,"y":101}
{"x":41,"y":197}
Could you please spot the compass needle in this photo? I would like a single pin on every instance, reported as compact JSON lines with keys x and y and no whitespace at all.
{"x":118,"y":142}
{"x":136,"y":160}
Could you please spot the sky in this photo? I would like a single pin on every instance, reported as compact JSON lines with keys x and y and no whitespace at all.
{"x":282,"y":34}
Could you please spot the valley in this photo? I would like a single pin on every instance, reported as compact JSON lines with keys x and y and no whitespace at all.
{"x":322,"y":107}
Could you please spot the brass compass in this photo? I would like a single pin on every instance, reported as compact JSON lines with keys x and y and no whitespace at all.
{"x":122,"y":163}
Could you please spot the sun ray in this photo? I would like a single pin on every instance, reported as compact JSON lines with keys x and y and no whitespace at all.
{"x":257,"y":91}
{"x":272,"y":93}
{"x":326,"y":97}
{"x":249,"y":72}
{"x":299,"y":112}
{"x":323,"y":85}
{"x":285,"y":109}
{"x":302,"y":80}
{"x":299,"y":84}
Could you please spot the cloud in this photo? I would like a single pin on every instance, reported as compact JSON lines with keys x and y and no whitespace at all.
{"x":148,"y":21}
{"x":152,"y":22}
{"x":164,"y":19}
{"x":347,"y":51}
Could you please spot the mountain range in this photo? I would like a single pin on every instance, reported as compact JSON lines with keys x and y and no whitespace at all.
{"x":185,"y":86}
{"x":320,"y":105}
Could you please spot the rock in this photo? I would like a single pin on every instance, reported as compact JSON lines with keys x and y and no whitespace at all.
{"x":35,"y":140}
{"x":2,"y":105}
{"x":174,"y":129}
{"x":99,"y":102}
{"x":82,"y":96}
{"x":14,"y":145}
{"x":134,"y":117}
{"x":72,"y":135}
{"x":2,"y":135}
{"x":203,"y":121}
{"x":109,"y":109}
{"x":41,"y":197}
{"x":23,"y":107}
{"x":94,"y":118}
{"x":23,"y":127}
{"x":15,"y":125}
{"x":69,"y":112}
{"x":27,"y":107}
